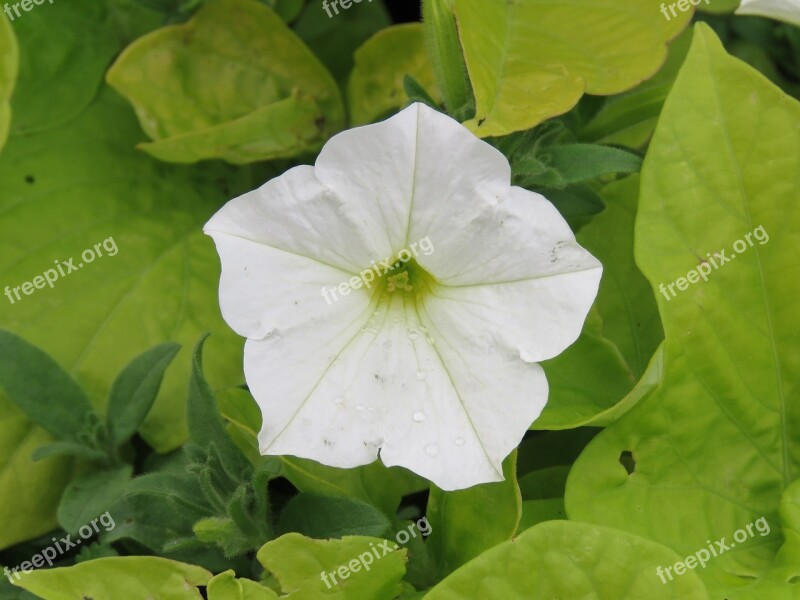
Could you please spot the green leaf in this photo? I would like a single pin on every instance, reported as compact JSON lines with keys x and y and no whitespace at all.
{"x":715,"y":446}
{"x":233,"y":83}
{"x":205,"y":423}
{"x":468,"y":522}
{"x":225,"y":586}
{"x":555,"y":52}
{"x":568,"y":164}
{"x":376,"y":85}
{"x":382,"y":487}
{"x":322,"y":517}
{"x":68,"y":449}
{"x":630,"y":118}
{"x":335,"y":39}
{"x":135,"y":390}
{"x":625,"y":301}
{"x":119,"y":578}
{"x":586,"y":380}
{"x":23,"y":482}
{"x":90,"y":495}
{"x":41,"y":389}
{"x":362,"y":567}
{"x":446,"y":57}
{"x":9,"y":64}
{"x":562,"y":559}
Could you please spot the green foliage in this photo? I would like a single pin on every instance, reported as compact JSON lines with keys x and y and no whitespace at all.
{"x":716,"y":444}
{"x":562,"y":559}
{"x":377,"y":83}
{"x":515,"y":51}
{"x":198,"y":97}
{"x":9,"y":63}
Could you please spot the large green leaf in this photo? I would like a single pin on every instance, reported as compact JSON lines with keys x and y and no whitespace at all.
{"x":561,"y":559}
{"x":466,"y":523}
{"x":234,"y":83}
{"x":530,"y":60}
{"x":9,"y":63}
{"x":714,"y":447}
{"x":119,"y":578}
{"x":376,"y":83}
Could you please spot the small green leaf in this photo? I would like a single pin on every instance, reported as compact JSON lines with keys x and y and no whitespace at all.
{"x":322,"y":517}
{"x":562,"y":559}
{"x":205,"y":424}
{"x":444,"y":50}
{"x":119,"y":578}
{"x":376,"y":84}
{"x":75,"y":449}
{"x":135,"y":390}
{"x":468,"y":522}
{"x":225,"y":586}
{"x":380,"y":486}
{"x":575,"y":163}
{"x":41,"y":389}
{"x":372,"y":567}
{"x":90,"y":495}
{"x":233,"y":83}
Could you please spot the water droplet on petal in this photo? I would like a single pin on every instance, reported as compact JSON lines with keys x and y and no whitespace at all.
{"x":459,"y":441}
{"x":413,"y":334}
{"x":421,"y":375}
{"x":432,"y":449}
{"x":360,"y":407}
{"x":338,"y":400}
{"x":419,"y":417}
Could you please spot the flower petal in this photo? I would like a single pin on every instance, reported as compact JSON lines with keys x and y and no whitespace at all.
{"x":423,"y":400}
{"x":279,"y":246}
{"x":782,"y":10}
{"x":389,"y":169}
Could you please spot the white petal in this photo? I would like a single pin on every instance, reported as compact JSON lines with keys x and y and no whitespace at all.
{"x":391,"y":169}
{"x":450,"y":410}
{"x":279,"y":246}
{"x":782,"y":10}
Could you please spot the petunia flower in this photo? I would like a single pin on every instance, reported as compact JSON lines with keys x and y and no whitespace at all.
{"x":433,"y":365}
{"x":782,"y":10}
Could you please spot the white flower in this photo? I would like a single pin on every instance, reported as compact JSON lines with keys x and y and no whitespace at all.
{"x":433,"y":366}
{"x":782,"y":10}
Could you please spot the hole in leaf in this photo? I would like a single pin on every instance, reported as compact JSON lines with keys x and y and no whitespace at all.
{"x":626,"y":460}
